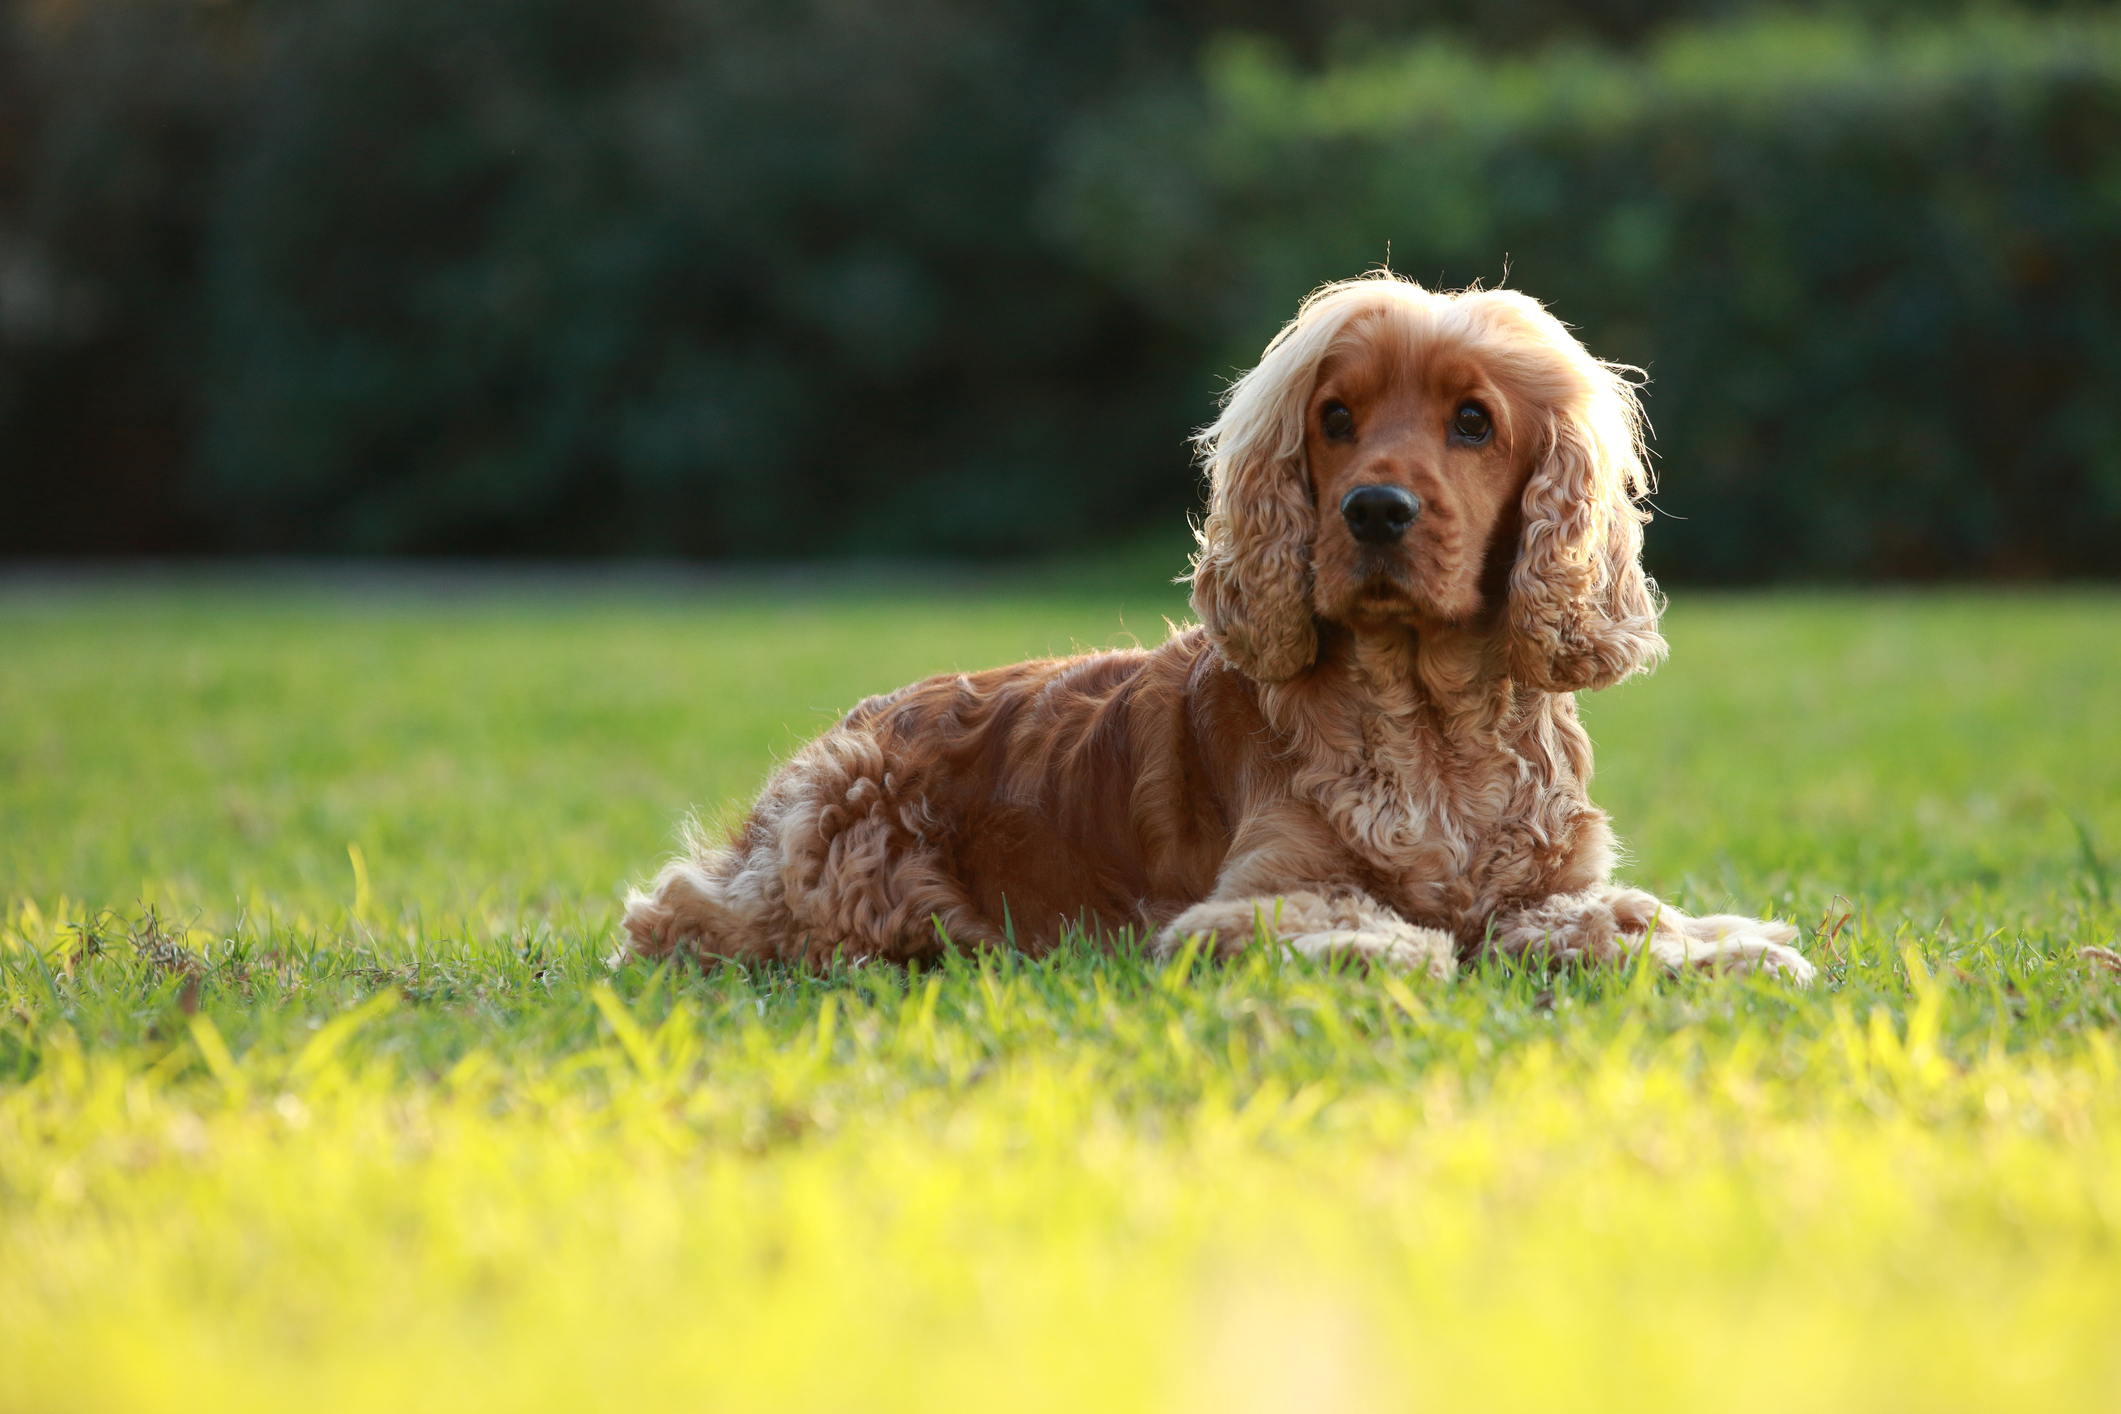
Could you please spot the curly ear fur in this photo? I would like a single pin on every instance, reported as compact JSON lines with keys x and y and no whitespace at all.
{"x":1252,"y":574}
{"x":1582,"y":614}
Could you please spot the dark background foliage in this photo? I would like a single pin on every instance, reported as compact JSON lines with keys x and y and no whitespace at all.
{"x":936,"y":277}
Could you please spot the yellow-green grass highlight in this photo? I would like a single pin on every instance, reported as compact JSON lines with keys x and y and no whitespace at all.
{"x":402,"y":1140}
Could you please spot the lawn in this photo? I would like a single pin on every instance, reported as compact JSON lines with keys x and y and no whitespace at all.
{"x":315,"y":1091}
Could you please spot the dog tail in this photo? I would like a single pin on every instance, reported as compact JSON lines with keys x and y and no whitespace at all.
{"x":683,"y":906}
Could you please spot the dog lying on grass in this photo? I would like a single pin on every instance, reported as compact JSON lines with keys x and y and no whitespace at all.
{"x":1423,"y":538}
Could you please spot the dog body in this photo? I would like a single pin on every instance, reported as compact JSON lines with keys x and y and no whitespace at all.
{"x":1422,"y":540}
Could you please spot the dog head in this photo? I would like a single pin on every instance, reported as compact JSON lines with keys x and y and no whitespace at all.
{"x":1401,"y":459}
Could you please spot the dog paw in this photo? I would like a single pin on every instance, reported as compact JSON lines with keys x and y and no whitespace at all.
{"x":1221,"y":941}
{"x":1780,"y":957}
{"x":1402,"y":947}
{"x":1725,"y":942}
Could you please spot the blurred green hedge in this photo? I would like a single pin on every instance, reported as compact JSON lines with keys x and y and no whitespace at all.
{"x":754,"y":279}
{"x":575,"y":276}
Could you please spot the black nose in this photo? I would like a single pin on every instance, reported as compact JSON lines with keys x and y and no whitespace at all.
{"x":1378,"y":515}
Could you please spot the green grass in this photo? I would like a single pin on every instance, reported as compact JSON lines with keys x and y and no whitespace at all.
{"x":277,"y":1134}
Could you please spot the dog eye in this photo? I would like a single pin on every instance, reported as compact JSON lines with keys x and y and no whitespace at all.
{"x":1472,"y":423}
{"x":1337,"y":420}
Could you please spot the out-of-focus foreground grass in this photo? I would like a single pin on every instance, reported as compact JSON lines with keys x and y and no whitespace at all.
{"x":284,"y":1122}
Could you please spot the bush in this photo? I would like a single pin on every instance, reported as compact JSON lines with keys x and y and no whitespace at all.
{"x":1874,"y":274}
{"x":714,"y":279}
{"x":540,"y":275}
{"x":729,"y":277}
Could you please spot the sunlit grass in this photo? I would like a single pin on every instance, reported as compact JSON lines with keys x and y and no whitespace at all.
{"x":397,"y":1139}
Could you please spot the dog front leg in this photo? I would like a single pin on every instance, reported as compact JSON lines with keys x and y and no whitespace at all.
{"x":1268,"y":891}
{"x":1314,"y":924}
{"x":1612,"y":924}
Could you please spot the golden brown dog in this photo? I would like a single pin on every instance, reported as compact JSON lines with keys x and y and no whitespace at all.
{"x":1423,"y":538}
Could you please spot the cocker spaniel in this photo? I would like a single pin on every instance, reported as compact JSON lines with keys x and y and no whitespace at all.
{"x":1423,"y":538}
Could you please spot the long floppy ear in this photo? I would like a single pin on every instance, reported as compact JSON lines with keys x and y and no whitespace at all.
{"x":1582,"y":613}
{"x":1252,"y":573}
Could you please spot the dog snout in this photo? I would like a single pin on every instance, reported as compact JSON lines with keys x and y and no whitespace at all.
{"x":1379,"y":515}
